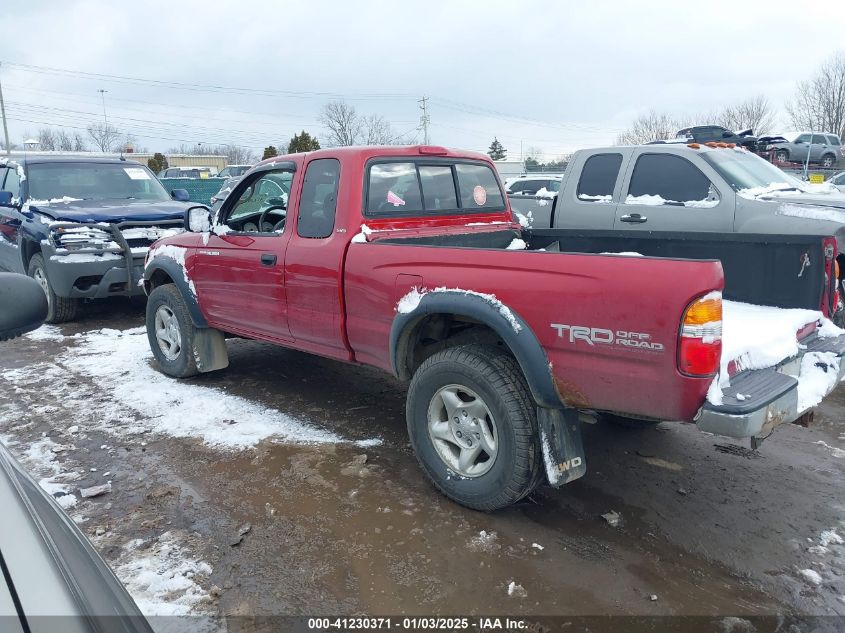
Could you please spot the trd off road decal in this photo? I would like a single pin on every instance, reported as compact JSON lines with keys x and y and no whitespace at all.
{"x":600,"y":336}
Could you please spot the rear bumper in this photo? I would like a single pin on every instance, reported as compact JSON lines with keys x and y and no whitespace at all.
{"x":770,"y":396}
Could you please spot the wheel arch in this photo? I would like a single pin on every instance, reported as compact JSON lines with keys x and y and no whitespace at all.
{"x":457,"y":317}
{"x":165,"y":270}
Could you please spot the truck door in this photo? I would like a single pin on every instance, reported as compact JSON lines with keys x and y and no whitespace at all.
{"x":667,"y":192}
{"x":588,"y":198}
{"x":314,"y":264}
{"x":239,"y":274}
{"x":10,"y":223}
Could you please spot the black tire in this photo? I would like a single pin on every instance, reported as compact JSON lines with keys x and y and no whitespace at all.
{"x":828,"y":161}
{"x":59,"y":309}
{"x":497,"y":379}
{"x":782,"y":155}
{"x":183,"y":364}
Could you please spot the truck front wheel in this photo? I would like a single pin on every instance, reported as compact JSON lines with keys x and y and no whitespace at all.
{"x":59,"y":309}
{"x":171,"y":332}
{"x":473,"y":427}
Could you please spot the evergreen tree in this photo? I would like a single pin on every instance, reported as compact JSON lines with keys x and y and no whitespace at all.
{"x":157,"y":163}
{"x":497,"y":150}
{"x":269,"y":152}
{"x":303,"y":142}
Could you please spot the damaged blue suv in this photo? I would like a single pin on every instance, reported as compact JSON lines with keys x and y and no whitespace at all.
{"x":81,"y":226}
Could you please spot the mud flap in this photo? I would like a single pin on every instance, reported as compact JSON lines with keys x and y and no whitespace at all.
{"x":563,"y":451}
{"x":210,"y":350}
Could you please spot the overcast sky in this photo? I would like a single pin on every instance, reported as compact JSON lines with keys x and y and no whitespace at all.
{"x":556,"y":75}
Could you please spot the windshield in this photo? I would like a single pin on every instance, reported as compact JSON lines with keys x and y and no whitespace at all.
{"x":743,"y":170}
{"x":93,"y":181}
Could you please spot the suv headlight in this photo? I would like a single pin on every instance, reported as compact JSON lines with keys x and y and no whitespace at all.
{"x":75,"y":238}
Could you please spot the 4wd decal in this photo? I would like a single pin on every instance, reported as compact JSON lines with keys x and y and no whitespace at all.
{"x":601,"y":336}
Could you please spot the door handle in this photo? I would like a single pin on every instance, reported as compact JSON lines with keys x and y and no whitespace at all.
{"x":268,"y":259}
{"x":633,"y":218}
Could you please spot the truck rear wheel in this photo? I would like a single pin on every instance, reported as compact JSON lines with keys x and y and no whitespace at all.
{"x":473,"y":426}
{"x":59,"y":309}
{"x":171,"y":332}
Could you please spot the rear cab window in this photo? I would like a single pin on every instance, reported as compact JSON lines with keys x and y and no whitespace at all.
{"x":598,"y":178}
{"x":406,"y":187}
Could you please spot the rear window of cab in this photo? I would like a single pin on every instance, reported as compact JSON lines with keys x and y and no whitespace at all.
{"x":406,"y":186}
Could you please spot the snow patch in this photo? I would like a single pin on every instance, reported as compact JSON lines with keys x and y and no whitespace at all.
{"x":361,"y":237}
{"x":517,"y":245}
{"x":656,"y":201}
{"x":624,"y":254}
{"x":412,"y":299}
{"x":45,"y":333}
{"x":177,"y":254}
{"x":601,"y":199}
{"x":162,"y":579}
{"x":811,"y":576}
{"x":119,"y":362}
{"x":819,"y":374}
{"x":812,"y":212}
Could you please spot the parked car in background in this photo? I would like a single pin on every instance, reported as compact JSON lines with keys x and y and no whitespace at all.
{"x":233,"y":171}
{"x":824,"y":149}
{"x":677,"y":200}
{"x":716,"y":134}
{"x":82,"y":226}
{"x":187,"y":172}
{"x":530,"y":185}
{"x":838,"y":181}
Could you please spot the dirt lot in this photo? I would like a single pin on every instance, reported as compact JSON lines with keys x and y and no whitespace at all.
{"x":301,"y":495}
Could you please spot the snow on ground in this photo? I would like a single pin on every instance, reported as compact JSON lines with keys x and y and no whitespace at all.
{"x":39,"y":459}
{"x":162,"y":577}
{"x":46,"y":333}
{"x":119,"y":362}
{"x":139,"y":398}
{"x":757,"y":337}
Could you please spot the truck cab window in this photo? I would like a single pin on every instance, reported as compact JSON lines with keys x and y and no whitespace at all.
{"x":598,"y":178}
{"x":262,"y":206}
{"x":438,"y":186}
{"x":479,"y":188}
{"x":668,"y":179}
{"x":393,"y":188}
{"x":318,"y":203}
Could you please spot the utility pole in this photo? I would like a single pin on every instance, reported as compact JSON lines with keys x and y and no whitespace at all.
{"x":424,"y":119}
{"x":103,"y":96}
{"x":3,"y":114}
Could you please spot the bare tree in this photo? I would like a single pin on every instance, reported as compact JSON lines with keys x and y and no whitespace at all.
{"x":649,"y":127}
{"x":534,"y":153}
{"x":345,"y":126}
{"x":78,"y":143}
{"x":64,"y":142}
{"x":819,"y":103}
{"x":235,"y":154}
{"x":377,"y":131}
{"x":105,"y":136}
{"x":755,"y":113}
{"x":47,"y":139}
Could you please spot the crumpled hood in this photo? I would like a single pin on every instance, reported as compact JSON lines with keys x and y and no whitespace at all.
{"x":110,"y":211}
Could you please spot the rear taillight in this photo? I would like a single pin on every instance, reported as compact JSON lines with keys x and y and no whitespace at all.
{"x":700,"y":349}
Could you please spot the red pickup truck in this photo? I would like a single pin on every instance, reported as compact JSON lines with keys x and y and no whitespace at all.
{"x":409,"y":259}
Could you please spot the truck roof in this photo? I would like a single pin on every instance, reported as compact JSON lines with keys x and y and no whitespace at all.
{"x":34,"y":160}
{"x":365,"y":152}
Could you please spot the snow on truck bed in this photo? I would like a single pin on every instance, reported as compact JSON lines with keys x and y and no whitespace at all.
{"x":758,"y":337}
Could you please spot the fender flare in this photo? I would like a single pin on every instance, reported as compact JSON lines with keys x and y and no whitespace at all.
{"x":176,"y":272}
{"x":523,"y":343}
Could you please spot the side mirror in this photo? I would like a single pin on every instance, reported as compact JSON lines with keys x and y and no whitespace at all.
{"x":6,"y":199}
{"x":180,"y":195}
{"x":198,"y":219}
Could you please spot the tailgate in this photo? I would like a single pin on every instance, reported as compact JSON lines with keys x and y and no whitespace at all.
{"x":773,"y":375}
